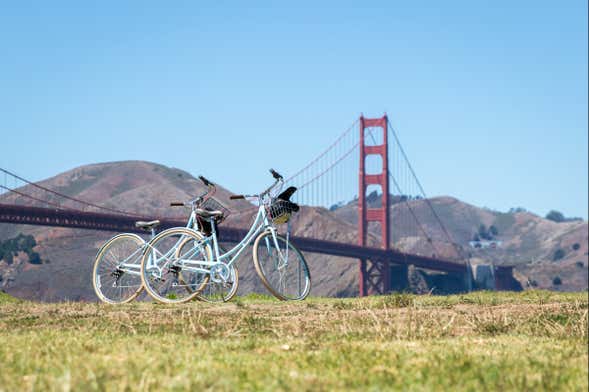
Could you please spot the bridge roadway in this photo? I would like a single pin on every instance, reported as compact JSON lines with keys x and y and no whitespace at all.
{"x":119,"y":223}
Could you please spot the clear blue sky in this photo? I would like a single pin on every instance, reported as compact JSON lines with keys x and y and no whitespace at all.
{"x":489,"y":97}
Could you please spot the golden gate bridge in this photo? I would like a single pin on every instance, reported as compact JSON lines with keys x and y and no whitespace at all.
{"x":365,"y":174}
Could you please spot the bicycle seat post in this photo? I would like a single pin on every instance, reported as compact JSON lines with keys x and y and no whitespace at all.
{"x":215,"y":239}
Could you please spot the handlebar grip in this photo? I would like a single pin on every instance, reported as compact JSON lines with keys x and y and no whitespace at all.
{"x":236,"y":197}
{"x":205,"y":181}
{"x":176,"y":204}
{"x":275,"y":174}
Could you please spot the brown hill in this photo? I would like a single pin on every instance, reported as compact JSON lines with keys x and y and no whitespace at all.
{"x":144,"y":188}
{"x":541,"y":249}
{"x":528,"y":241}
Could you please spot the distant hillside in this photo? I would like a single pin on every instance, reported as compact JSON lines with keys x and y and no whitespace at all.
{"x":64,"y":272}
{"x":541,"y":249}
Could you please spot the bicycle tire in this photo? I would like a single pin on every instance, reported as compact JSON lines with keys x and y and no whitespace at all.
{"x":270,"y":271}
{"x":113,"y":273}
{"x":174,"y":274}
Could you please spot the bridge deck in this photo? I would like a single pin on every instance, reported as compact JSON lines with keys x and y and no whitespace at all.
{"x":119,"y":223}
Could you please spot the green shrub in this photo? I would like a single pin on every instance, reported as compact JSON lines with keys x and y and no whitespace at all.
{"x":559,"y":254}
{"x":21,"y":243}
{"x":555,"y":216}
{"x":34,"y":258}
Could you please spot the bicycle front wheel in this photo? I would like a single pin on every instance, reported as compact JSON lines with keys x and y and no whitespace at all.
{"x":281,"y":267}
{"x":116,"y":275}
{"x":174,"y":265}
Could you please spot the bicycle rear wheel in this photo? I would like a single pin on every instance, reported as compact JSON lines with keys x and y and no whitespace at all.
{"x":173,"y":266}
{"x":116,"y":275}
{"x":281,"y":267}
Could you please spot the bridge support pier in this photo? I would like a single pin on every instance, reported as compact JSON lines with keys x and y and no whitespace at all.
{"x":504,"y":279}
{"x":399,"y":277}
{"x":375,"y":277}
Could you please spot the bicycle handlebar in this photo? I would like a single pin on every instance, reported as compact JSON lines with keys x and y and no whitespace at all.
{"x":205,"y":181}
{"x":271,"y":187}
{"x":191,"y":203}
{"x":278,"y":179}
{"x":275,"y":174}
{"x":195,"y":202}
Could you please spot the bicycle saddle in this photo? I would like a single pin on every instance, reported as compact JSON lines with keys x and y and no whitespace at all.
{"x":147,"y":225}
{"x":208,"y":214}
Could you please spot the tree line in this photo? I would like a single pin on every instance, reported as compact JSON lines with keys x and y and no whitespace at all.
{"x":21,"y":243}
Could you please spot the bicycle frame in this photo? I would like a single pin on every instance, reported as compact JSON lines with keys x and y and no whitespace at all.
{"x":153,"y":260}
{"x":135,"y":269}
{"x":260,"y":224}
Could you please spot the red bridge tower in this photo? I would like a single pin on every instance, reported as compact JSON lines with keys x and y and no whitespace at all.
{"x":375,"y":275}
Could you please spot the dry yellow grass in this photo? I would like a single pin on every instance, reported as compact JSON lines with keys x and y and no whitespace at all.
{"x":533,"y":340}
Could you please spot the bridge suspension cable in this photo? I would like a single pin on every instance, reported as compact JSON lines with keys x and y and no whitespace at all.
{"x":403,"y":197}
{"x":32,"y":197}
{"x":330,"y":181}
{"x":428,"y":202}
{"x":59,"y":194}
{"x":327,"y":180}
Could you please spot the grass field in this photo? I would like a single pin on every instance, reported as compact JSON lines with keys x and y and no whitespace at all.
{"x":481,"y":341}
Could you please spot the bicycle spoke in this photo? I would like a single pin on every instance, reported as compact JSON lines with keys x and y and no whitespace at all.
{"x":112,"y":282}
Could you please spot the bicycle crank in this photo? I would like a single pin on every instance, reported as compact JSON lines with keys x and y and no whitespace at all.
{"x":219,"y":273}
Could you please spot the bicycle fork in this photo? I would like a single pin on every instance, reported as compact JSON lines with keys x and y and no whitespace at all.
{"x":281,"y":260}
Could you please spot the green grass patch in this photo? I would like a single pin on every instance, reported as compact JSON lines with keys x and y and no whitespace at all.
{"x":479,"y":341}
{"x":6,"y":298}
